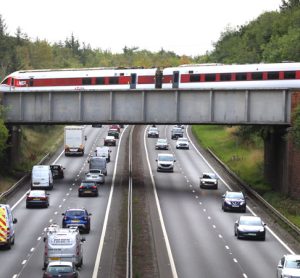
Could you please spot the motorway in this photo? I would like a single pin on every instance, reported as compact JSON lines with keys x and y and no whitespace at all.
{"x":199,"y":238}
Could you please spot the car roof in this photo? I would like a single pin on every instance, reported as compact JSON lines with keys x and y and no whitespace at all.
{"x":110,"y":137}
{"x":37,"y":192}
{"x":165,"y":154}
{"x":76,"y":209}
{"x":292,"y":257}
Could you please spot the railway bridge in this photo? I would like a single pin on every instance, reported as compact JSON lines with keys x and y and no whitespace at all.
{"x":272,"y":107}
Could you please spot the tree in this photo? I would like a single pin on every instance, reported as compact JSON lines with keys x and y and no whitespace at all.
{"x":289,"y":5}
{"x":295,"y":130}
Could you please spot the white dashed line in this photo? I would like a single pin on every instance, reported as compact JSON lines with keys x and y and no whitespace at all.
{"x":39,"y":238}
{"x":227,"y":247}
{"x":235,"y":260}
{"x":24,"y":262}
{"x":220,"y":236}
{"x":32,"y":249}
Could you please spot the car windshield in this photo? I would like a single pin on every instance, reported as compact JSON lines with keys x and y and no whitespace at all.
{"x":165,"y":158}
{"x":71,"y":213}
{"x":182,"y":140}
{"x":209,"y":176}
{"x":161,"y":141}
{"x":235,"y":195}
{"x":58,"y":269}
{"x":292,"y":263}
{"x":250,"y":221}
{"x":95,"y":171}
{"x":153,"y":129}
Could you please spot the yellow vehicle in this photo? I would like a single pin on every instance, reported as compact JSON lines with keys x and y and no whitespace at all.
{"x":7,"y":231}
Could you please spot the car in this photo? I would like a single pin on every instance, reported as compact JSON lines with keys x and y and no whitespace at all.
{"x":235,"y":201}
{"x":95,"y":175}
{"x":289,"y":266}
{"x":165,"y":162}
{"x":176,"y":132}
{"x":209,"y":180}
{"x":57,"y":171}
{"x":114,"y":132}
{"x":37,"y":198}
{"x":250,"y":226}
{"x":161,"y":144}
{"x":61,"y":269}
{"x":153,"y":132}
{"x":77,"y":217}
{"x":99,"y":163}
{"x":182,"y":143}
{"x":88,"y":188}
{"x":117,"y":127}
{"x":110,"y":141}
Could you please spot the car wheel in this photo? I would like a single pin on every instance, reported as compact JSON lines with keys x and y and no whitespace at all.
{"x":238,"y":235}
{"x":79,"y":195}
{"x":8,"y":245}
{"x":263,"y":238}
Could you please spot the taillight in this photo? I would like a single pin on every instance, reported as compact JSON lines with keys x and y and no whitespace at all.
{"x":29,"y":198}
{"x":94,"y":187}
{"x":81,"y":186}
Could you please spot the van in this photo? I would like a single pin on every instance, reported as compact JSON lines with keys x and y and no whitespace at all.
{"x":98,"y":163}
{"x":7,"y":231}
{"x":41,"y":177}
{"x":63,"y":244}
{"x":103,"y":151}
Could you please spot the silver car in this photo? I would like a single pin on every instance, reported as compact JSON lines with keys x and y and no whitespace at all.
{"x":95,"y":175}
{"x":162,"y":144}
{"x":289,"y":266}
{"x":209,"y":180}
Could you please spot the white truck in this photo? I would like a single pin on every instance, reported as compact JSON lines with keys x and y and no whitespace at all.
{"x":74,"y":140}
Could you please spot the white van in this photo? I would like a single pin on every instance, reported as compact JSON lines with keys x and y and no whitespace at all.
{"x":63,"y":244}
{"x":41,"y":177}
{"x":103,"y":151}
{"x":7,"y":231}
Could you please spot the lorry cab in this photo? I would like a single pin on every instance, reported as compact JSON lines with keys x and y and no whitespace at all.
{"x":63,"y":244}
{"x":41,"y":177}
{"x":7,"y":231}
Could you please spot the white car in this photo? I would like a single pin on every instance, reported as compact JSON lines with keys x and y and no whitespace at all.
{"x":209,"y":180}
{"x":95,"y":175}
{"x":162,"y":144}
{"x":153,"y":132}
{"x":165,"y":162}
{"x":289,"y":266}
{"x":182,"y":143}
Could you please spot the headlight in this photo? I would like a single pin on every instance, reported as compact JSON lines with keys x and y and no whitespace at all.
{"x":242,"y":203}
{"x":262,"y":230}
{"x":227,"y":202}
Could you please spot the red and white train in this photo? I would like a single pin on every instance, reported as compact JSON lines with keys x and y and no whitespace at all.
{"x":206,"y":76}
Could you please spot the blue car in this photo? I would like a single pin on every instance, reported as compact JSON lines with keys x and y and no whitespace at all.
{"x":77,"y":218}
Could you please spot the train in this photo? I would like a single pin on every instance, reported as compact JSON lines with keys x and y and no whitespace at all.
{"x":195,"y":76}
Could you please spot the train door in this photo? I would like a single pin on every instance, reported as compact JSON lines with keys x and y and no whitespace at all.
{"x":133,"y":81}
{"x":175,"y":80}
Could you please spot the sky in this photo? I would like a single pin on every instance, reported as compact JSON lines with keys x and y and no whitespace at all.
{"x":186,"y":27}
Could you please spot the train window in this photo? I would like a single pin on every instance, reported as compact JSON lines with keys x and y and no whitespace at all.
{"x":210,"y":77}
{"x":87,"y":81}
{"x":241,"y":76}
{"x":5,"y":81}
{"x":289,"y":75}
{"x":195,"y":78}
{"x":256,"y":76}
{"x":273,"y":75}
{"x":225,"y":76}
{"x":31,"y":82}
{"x":113,"y":80}
{"x":100,"y":80}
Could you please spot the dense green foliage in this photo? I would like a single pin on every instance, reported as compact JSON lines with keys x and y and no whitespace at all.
{"x":295,"y":131}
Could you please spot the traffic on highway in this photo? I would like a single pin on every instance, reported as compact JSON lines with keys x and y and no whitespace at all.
{"x":199,"y":223}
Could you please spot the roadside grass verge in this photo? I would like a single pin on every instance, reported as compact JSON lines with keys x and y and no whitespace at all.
{"x":246,"y":159}
{"x":35,"y":144}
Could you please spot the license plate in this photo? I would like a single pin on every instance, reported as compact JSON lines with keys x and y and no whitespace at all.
{"x":36,"y":199}
{"x":75,"y":221}
{"x":73,"y":150}
{"x":54,"y":259}
{"x":88,"y":191}
{"x":252,"y":234}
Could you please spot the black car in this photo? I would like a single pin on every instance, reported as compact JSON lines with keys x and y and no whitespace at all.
{"x":249,"y":226}
{"x":88,"y":188}
{"x":113,"y":132}
{"x":235,"y":201}
{"x":57,"y":171}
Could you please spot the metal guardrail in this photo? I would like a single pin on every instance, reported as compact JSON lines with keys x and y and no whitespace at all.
{"x":22,"y":180}
{"x":257,"y":196}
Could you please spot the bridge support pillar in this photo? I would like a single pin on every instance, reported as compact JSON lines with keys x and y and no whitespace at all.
{"x":14,"y":143}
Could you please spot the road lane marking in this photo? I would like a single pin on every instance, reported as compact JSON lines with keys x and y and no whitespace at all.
{"x":168,"y":246}
{"x":101,"y":243}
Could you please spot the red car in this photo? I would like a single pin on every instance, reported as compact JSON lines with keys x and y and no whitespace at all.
{"x":110,"y":141}
{"x":117,"y":127}
{"x":37,"y":198}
